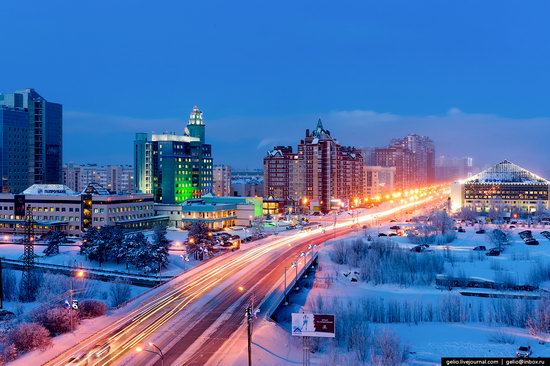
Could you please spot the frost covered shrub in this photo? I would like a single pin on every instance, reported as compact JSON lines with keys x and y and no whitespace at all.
{"x":387,"y":349}
{"x":61,"y":320}
{"x":57,"y":320}
{"x":385,"y":263}
{"x":53,"y":286}
{"x":338,"y":254}
{"x":511,"y":312}
{"x":119,"y":292}
{"x":9,"y":353}
{"x":29,"y":336}
{"x":450,"y":308}
{"x":539,"y":272}
{"x":501,"y":337}
{"x":353,"y":332}
{"x":539,"y":321}
{"x":92,"y":308}
{"x":39,"y":314}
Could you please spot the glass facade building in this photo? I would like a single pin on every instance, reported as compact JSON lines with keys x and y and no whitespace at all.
{"x":174,"y":168}
{"x":31,"y":140}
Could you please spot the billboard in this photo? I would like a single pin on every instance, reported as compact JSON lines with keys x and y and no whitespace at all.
{"x":313,"y":325}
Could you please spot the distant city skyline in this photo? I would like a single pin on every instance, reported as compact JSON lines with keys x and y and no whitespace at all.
{"x":476,"y":87}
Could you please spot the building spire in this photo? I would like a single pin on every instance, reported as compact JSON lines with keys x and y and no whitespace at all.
{"x":319,"y":125}
{"x":196,"y":116}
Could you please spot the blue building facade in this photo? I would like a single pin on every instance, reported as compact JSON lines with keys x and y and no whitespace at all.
{"x":32,"y":140}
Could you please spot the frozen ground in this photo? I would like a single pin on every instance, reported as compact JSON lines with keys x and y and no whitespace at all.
{"x":425,"y":342}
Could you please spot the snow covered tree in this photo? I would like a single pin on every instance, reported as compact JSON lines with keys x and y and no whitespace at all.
{"x":200,"y":238}
{"x":116,"y":243}
{"x":88,"y":241}
{"x":159,"y":246}
{"x":141,"y":253}
{"x":29,"y":336}
{"x":467,"y":213}
{"x":442,"y":222}
{"x":54,"y":240}
{"x":258,"y":225}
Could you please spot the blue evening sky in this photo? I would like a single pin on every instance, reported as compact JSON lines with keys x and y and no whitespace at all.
{"x":474,"y":75}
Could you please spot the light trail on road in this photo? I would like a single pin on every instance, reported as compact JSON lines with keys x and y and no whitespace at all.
{"x":133,"y":328}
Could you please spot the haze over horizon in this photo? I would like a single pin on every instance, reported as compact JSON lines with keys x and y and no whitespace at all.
{"x":476,"y":87}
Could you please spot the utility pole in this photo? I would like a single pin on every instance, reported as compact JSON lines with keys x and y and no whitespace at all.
{"x":248,"y":314}
{"x":27,"y":279}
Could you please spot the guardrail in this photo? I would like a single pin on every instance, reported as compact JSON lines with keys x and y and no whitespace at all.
{"x":95,"y":273}
{"x":278,"y":293}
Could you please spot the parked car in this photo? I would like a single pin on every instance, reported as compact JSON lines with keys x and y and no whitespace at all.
{"x":493,"y":252}
{"x":461,"y":229}
{"x":480,"y":231}
{"x":480,"y":248}
{"x":546,"y":234}
{"x":392,"y":234}
{"x":511,"y":227}
{"x":6,"y":315}
{"x":395,"y":227}
{"x":382,"y":234}
{"x":525,"y":234}
{"x":531,"y":241}
{"x":417,"y":249}
{"x":393,"y":220}
{"x":426,"y":246}
{"x":523,"y":352}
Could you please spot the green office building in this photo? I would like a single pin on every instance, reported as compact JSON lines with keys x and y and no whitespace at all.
{"x":174,"y":167}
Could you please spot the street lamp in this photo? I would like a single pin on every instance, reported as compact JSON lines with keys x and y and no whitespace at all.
{"x":295,"y":265}
{"x":157,"y":352}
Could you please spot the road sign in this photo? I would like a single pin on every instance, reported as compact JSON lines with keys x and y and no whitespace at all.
{"x":75,"y":304}
{"x":313,"y":325}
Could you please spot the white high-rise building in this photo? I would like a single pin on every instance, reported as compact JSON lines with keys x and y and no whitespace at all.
{"x":116,"y":178}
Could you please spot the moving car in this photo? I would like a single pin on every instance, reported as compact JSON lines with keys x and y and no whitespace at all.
{"x":523,"y":352}
{"x":480,"y":248}
{"x":101,"y":349}
{"x":80,"y":359}
{"x":480,"y":231}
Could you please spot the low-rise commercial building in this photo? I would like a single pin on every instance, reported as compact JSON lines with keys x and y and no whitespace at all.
{"x":503,"y":187}
{"x":59,"y":208}
{"x":217,"y":212}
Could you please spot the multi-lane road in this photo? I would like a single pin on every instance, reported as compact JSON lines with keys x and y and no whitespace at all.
{"x":191,"y":317}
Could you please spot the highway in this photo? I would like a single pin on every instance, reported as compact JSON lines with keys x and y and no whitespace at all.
{"x":192,"y":315}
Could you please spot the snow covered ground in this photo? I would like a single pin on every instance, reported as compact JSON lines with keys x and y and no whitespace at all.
{"x":425,"y":342}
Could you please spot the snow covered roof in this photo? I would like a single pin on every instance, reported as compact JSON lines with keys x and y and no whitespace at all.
{"x":506,"y":172}
{"x":97,"y":189}
{"x":49,"y":190}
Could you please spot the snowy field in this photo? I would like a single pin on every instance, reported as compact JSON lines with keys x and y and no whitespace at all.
{"x":461,"y":326}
